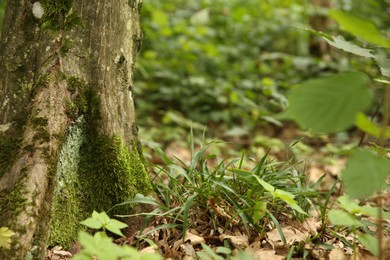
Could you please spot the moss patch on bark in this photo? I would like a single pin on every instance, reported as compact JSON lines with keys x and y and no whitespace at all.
{"x":94,"y":173}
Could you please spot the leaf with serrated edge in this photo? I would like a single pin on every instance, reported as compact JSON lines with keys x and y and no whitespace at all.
{"x":329,"y":104}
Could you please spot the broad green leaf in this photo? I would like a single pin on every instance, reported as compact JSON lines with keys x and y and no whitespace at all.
{"x":102,"y":217}
{"x":329,"y":104}
{"x":374,"y":212}
{"x":348,"y":204}
{"x":370,"y":243}
{"x":340,"y":43}
{"x":259,"y":210}
{"x":366,"y":125}
{"x":352,"y":207}
{"x":365,"y":173}
{"x":5,"y":237}
{"x":359,"y":27}
{"x":92,"y":223}
{"x":341,"y":218}
{"x":115,"y":226}
{"x":101,"y":246}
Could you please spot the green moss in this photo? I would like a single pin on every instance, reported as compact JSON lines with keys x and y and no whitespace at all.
{"x":93,"y":173}
{"x":42,"y":135}
{"x":39,"y":121}
{"x":11,"y":203}
{"x":81,"y":97}
{"x":66,"y":45}
{"x":8,"y":149}
{"x":56,"y":13}
{"x":112,"y":173}
{"x":67,"y":211}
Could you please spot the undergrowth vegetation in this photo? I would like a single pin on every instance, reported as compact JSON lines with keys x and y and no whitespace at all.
{"x":254,"y":74}
{"x":226,"y":194}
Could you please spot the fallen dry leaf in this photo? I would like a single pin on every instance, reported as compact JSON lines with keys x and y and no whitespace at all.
{"x":266,"y":254}
{"x":193,"y":239}
{"x":291,"y":234}
{"x":337,"y":254}
{"x":188,"y":250}
{"x":312,"y":225}
{"x":240,"y":242}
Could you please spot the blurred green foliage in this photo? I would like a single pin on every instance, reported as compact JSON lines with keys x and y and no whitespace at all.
{"x":220,"y":61}
{"x":228,"y":63}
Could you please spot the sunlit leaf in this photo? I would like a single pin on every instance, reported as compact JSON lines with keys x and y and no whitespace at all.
{"x":340,"y":43}
{"x":366,"y":125}
{"x":365,"y":173}
{"x":115,"y":226}
{"x":329,"y":104}
{"x":359,"y":27}
{"x":92,"y":223}
{"x":341,"y":218}
{"x":259,"y":210}
{"x":281,"y":194}
{"x":5,"y":237}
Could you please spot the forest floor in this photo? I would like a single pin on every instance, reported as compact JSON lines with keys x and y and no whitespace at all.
{"x":225,"y":236}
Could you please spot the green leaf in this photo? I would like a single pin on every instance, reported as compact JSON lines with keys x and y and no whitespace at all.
{"x":101,"y":246}
{"x":259,"y":210}
{"x":348,"y":204}
{"x":370,"y":243}
{"x":114,"y":226}
{"x":283,"y":195}
{"x":366,"y":125}
{"x":102,"y":217}
{"x":365,"y":173}
{"x":329,"y":104}
{"x":340,"y":43}
{"x":5,"y":237}
{"x":92,"y":223}
{"x":374,"y":212}
{"x":359,"y":27}
{"x":223,"y":250}
{"x":341,"y":218}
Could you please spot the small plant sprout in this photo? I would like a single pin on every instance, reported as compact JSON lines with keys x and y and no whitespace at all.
{"x":102,"y":220}
{"x":37,"y":10}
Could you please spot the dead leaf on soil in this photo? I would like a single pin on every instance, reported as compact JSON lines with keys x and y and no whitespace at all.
{"x":193,"y":239}
{"x":291,"y":234}
{"x":267,"y":254}
{"x":240,"y":242}
{"x":188,"y":249}
{"x":149,"y":249}
{"x":312,"y":225}
{"x":337,"y":254}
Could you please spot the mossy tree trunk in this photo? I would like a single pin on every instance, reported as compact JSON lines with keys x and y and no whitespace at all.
{"x":68,"y":138}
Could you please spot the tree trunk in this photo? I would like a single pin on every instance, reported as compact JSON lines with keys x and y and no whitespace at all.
{"x":68,"y":138}
{"x":319,"y":21}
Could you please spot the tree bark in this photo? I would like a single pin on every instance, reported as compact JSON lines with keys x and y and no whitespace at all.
{"x":68,"y":138}
{"x":319,"y":21}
